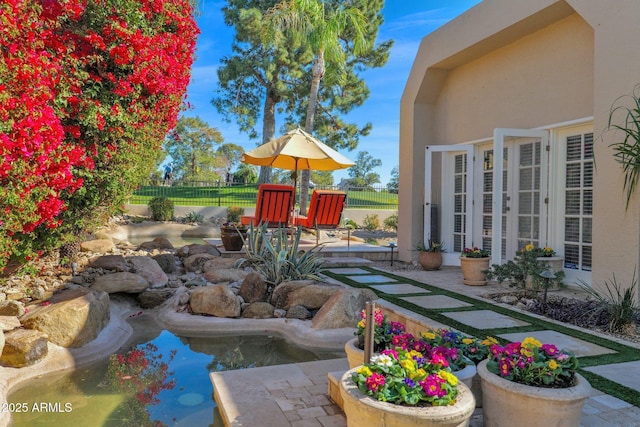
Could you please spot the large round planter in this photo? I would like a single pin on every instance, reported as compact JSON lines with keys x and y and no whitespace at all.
{"x":362,"y":410}
{"x":430,"y":260}
{"x":506,"y":403}
{"x":553,"y":263}
{"x":232,"y":238}
{"x":355,"y":355}
{"x":469,"y":376}
{"x":474,"y":270}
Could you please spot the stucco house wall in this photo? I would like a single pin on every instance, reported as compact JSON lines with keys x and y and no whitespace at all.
{"x":527,"y":65}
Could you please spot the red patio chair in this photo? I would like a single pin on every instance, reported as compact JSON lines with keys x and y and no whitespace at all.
{"x":274,"y":205}
{"x":325,"y":210}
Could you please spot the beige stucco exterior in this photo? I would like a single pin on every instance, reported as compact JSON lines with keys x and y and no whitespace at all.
{"x":527,"y":64}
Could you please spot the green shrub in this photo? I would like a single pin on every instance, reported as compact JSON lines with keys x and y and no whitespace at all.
{"x":371,"y":222}
{"x":234,"y":213}
{"x":391,"y":222}
{"x":193,"y":217}
{"x":349,"y":223}
{"x":277,"y":257}
{"x":161,"y":209}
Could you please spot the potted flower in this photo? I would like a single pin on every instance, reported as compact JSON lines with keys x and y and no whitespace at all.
{"x":526,"y":268}
{"x":404,"y":388}
{"x":383,"y":333}
{"x":430,"y":257}
{"x":232,"y":233}
{"x":474,"y":263}
{"x":532,"y":384}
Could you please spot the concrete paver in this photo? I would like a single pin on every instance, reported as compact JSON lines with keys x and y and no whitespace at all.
{"x":627,"y":373}
{"x":485,"y":319}
{"x":436,"y":301}
{"x":577,"y":346}
{"x":399,"y":289}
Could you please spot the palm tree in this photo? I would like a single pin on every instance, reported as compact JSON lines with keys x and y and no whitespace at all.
{"x":324,"y":29}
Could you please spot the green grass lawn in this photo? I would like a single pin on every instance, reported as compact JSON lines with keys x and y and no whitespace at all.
{"x":241,"y":195}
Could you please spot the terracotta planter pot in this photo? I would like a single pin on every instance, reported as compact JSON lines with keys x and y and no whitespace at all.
{"x":430,"y":260}
{"x":473,"y":270}
{"x":506,"y":403}
{"x":355,"y":355}
{"x":232,"y":238}
{"x":362,"y":410}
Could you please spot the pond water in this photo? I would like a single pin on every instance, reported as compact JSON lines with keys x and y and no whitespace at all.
{"x":176,"y":241}
{"x":156,"y":379}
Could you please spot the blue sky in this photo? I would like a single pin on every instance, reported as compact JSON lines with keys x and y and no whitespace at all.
{"x":406,"y":22}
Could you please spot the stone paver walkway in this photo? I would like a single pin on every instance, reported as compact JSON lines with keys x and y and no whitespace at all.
{"x":296,"y":395}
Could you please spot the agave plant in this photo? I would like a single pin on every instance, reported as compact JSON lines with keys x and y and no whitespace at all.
{"x":277,"y":257}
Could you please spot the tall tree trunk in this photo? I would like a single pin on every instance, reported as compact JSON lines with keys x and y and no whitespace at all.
{"x":268,"y":130}
{"x":318,"y":73}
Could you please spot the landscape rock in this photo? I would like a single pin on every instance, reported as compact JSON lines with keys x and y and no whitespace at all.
{"x":149,"y":269}
{"x":9,"y":323}
{"x":279,"y":313}
{"x":312,"y":297}
{"x":258,"y":310}
{"x":343,"y":309}
{"x":195,"y":249}
{"x":167,"y":262}
{"x":120,"y":282}
{"x":98,"y":245}
{"x":216,"y":300}
{"x":109,"y":262}
{"x":157,"y":243}
{"x":23,"y":347}
{"x":225,"y":275}
{"x":151,"y":298}
{"x":73,"y":317}
{"x":298,"y":312}
{"x":197,"y":261}
{"x":11,"y":308}
{"x":253,"y":288}
{"x":218,"y":263}
{"x":281,"y":292}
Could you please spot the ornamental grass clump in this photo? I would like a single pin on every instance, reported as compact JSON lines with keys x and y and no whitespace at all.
{"x":408,"y":378}
{"x":534,"y":364}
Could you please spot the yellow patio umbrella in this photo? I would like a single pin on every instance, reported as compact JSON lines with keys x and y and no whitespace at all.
{"x":297,"y":150}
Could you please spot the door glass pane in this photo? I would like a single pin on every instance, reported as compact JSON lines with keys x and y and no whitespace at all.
{"x":459,"y":201}
{"x":528,"y":193}
{"x":579,"y":202}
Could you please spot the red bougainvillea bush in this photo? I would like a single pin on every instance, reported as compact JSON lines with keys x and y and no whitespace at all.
{"x":88,"y":91}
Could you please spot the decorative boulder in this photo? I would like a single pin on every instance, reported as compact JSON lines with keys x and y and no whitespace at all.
{"x":258,"y":310}
{"x":253,"y":288}
{"x":281,"y":292}
{"x":120,"y":282}
{"x":109,"y":262}
{"x":218,"y":263}
{"x":11,"y":308}
{"x":298,"y":312}
{"x":73,"y":317}
{"x":343,"y":309}
{"x":150,"y":270}
{"x":312,"y":297}
{"x":99,"y":246}
{"x":157,"y":243}
{"x":195,"y":249}
{"x":24,"y":347}
{"x":167,"y":262}
{"x":197,"y":261}
{"x":154,"y":297}
{"x":225,"y":275}
{"x":216,"y":300}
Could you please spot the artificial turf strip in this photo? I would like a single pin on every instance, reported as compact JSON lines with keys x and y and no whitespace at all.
{"x":623,"y":353}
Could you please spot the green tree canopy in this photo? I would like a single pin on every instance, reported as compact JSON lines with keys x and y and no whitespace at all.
{"x":361,"y":173}
{"x":191,"y":147}
{"x":230,"y":155}
{"x":394,"y":181}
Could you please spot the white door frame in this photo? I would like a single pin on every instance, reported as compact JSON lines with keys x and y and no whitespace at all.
{"x":499,"y":135}
{"x":469,"y":149}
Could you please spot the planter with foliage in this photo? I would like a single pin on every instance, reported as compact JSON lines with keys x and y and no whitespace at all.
{"x":233,"y":236}
{"x":430,"y":257}
{"x":474,"y":263}
{"x":530,"y":384}
{"x":405,"y":388}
